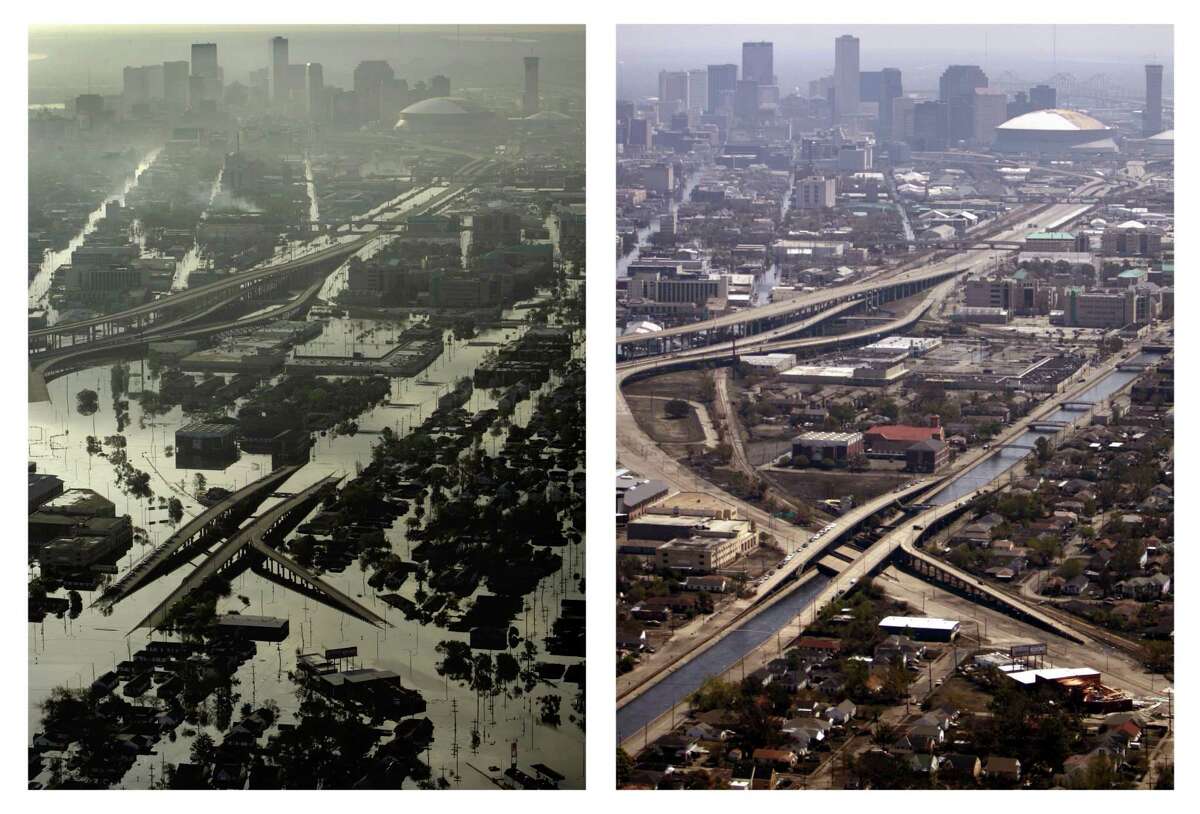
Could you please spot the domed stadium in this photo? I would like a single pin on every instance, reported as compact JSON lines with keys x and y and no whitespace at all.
{"x":1053,"y":132}
{"x":441,"y":113}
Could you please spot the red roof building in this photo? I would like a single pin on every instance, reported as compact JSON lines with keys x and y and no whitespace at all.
{"x":897,"y":438}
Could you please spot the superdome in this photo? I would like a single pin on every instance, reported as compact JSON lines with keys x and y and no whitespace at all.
{"x":1051,"y":132}
{"x":441,"y":111}
{"x":1055,"y":120}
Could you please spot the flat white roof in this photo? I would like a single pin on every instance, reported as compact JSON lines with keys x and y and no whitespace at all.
{"x":1052,"y":674}
{"x":815,"y":370}
{"x":926,"y":622}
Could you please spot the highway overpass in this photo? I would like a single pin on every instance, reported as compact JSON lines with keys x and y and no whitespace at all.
{"x":254,"y":284}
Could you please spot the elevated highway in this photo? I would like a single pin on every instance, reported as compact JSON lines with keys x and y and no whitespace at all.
{"x":254,"y":546}
{"x":248,"y":285}
{"x":47,"y":367}
{"x":198,"y":533}
{"x":747,"y":323}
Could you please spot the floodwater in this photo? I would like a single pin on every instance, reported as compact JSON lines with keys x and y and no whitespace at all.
{"x":39,"y":286}
{"x":191,"y":261}
{"x":73,"y":652}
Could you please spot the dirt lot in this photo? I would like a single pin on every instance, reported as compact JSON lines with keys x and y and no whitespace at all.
{"x":812,"y":485}
{"x":677,"y":435}
{"x":688,"y":385}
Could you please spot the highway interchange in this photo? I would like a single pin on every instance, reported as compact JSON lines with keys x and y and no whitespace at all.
{"x":639,"y":453}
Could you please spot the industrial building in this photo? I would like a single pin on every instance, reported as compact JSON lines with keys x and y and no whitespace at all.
{"x":206,"y":445}
{"x":713,"y":545}
{"x":830,"y":446}
{"x":921,"y":628}
{"x":895,"y":439}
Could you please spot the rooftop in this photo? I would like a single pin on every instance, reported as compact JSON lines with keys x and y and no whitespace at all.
{"x":1053,"y":119}
{"x":919,"y":623}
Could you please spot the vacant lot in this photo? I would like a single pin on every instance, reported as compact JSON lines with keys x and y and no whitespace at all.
{"x":812,"y":485}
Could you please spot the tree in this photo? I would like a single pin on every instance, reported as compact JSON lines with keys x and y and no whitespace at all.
{"x":714,"y":694}
{"x":1044,"y":449}
{"x":87,"y":402}
{"x":203,"y":749}
{"x":624,"y":766}
{"x":883,"y":735}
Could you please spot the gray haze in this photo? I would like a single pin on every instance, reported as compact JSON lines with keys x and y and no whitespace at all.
{"x":805,"y":52}
{"x":66,"y":61}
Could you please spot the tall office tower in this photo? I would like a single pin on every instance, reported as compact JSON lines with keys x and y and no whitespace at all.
{"x":891,"y":88}
{"x":721,"y":78}
{"x":314,"y":91}
{"x":639,"y":134}
{"x":745,"y":99}
{"x":279,"y":70}
{"x":868,"y":85}
{"x":1152,"y":123}
{"x":260,"y":88}
{"x":957,"y":89}
{"x":697,"y":82}
{"x":902,"y":119}
{"x":295,"y":83}
{"x":135,"y":86}
{"x":991,"y":111}
{"x":439,"y":85}
{"x":204,"y":85}
{"x":845,"y":79}
{"x":930,"y":126}
{"x":1019,"y":105}
{"x":529,"y":102}
{"x":1043,"y":97}
{"x":204,"y":60}
{"x":175,"y":84}
{"x":672,"y":91}
{"x":155,"y":81}
{"x":758,"y":62}
{"x":369,"y":78}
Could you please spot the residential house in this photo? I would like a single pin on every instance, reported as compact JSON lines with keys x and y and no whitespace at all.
{"x":775,"y":758}
{"x":1076,"y":585}
{"x":960,"y":766}
{"x":1003,"y":768}
{"x":842,"y":714}
{"x":898,"y":649}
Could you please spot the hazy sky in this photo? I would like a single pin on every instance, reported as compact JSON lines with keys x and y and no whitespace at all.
{"x":63,"y":60}
{"x":805,"y":52}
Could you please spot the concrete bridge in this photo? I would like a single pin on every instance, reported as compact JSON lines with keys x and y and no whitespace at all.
{"x":768,"y":318}
{"x":46,"y":367}
{"x":255,"y":547}
{"x":1048,"y":426}
{"x":193,"y":303}
{"x":197,"y":535}
{"x":188,"y":305}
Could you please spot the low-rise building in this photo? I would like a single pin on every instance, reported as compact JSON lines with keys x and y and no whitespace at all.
{"x":713,"y":545}
{"x":927,"y":456}
{"x":831,"y":446}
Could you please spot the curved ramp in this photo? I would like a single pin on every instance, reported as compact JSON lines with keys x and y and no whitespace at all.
{"x":244,"y":500}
